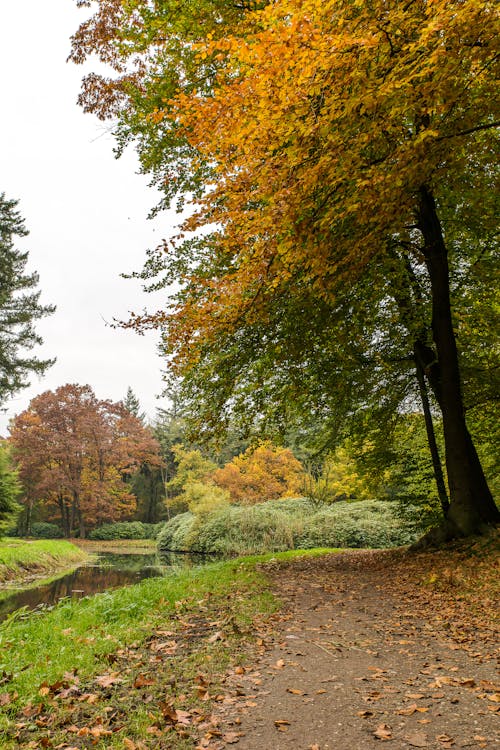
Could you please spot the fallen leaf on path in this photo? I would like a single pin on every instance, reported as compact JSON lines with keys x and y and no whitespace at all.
{"x":409,"y":711}
{"x":383,"y":732}
{"x":232,"y":737}
{"x":445,"y":740}
{"x":418,"y":739}
{"x":294,"y":691}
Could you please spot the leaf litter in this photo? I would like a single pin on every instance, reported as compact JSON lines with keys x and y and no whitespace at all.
{"x":433,"y":635}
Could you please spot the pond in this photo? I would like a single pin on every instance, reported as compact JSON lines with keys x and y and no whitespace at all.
{"x":108,"y":571}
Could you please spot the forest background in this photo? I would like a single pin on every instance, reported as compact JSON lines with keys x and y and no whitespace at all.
{"x":334,"y":281}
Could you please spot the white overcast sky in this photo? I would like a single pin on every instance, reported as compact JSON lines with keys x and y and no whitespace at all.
{"x":85,"y":210}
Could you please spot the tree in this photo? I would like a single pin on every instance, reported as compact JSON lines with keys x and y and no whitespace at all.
{"x":75,"y":453}
{"x":259,"y":474}
{"x":19,"y":307}
{"x":336,"y":135}
{"x":10,"y":489}
{"x":132,"y":404}
{"x":148,"y":482}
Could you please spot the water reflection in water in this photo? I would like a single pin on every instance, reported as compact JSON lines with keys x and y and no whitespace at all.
{"x":109,"y":572}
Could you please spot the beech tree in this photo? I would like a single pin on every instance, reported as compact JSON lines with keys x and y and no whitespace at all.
{"x":20,"y":306}
{"x":75,"y":452}
{"x":332,"y":136}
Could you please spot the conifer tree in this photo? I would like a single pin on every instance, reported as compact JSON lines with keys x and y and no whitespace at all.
{"x":20,"y":307}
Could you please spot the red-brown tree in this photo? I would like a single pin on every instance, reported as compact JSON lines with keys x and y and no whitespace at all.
{"x":74,"y":452}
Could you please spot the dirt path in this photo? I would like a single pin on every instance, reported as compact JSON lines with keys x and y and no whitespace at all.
{"x":360,"y":655}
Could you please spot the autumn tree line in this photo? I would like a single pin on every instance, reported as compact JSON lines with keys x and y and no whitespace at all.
{"x":84,"y":466}
{"x":335,"y":275}
{"x":74,"y":463}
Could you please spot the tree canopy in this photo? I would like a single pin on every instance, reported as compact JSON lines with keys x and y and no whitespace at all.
{"x":331,"y":148}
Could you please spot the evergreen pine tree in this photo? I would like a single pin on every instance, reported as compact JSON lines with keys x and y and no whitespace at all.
{"x":19,"y":307}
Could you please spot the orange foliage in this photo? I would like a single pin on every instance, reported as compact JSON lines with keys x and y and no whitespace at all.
{"x":74,"y":451}
{"x":260,"y":474}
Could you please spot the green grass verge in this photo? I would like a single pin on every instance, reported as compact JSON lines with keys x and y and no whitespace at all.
{"x":20,"y":558}
{"x":79,"y":639}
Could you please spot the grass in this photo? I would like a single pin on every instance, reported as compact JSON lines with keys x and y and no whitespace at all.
{"x":20,"y":559}
{"x":202,"y":611}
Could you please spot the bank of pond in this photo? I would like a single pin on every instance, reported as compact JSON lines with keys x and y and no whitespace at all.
{"x":95,"y":568}
{"x":110,"y":559}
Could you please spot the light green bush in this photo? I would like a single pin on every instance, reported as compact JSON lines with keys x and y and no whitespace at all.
{"x":367,"y":523}
{"x":173,"y":536}
{"x":285,"y":524}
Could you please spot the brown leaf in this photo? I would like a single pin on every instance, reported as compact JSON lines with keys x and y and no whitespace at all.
{"x":365,"y":714}
{"x":383,"y":732}
{"x":294,"y":691}
{"x":142,"y":681}
{"x":417,"y":739}
{"x":279,"y":664}
{"x":409,"y":711}
{"x":281,"y":722}
{"x":169,"y":712}
{"x":232,"y":737}
{"x":106,"y":680}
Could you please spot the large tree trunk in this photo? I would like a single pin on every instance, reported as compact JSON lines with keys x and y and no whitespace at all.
{"x":471,"y":502}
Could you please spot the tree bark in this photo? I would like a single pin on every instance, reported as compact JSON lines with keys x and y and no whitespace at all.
{"x":431,"y":439}
{"x":471,"y":502}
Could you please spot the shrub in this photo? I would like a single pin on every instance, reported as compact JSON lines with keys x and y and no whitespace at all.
{"x":367,"y":523}
{"x":44,"y":530}
{"x":285,"y":524}
{"x":173,"y":536}
{"x":246,"y":530}
{"x":120,"y":530}
{"x":152,"y":530}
